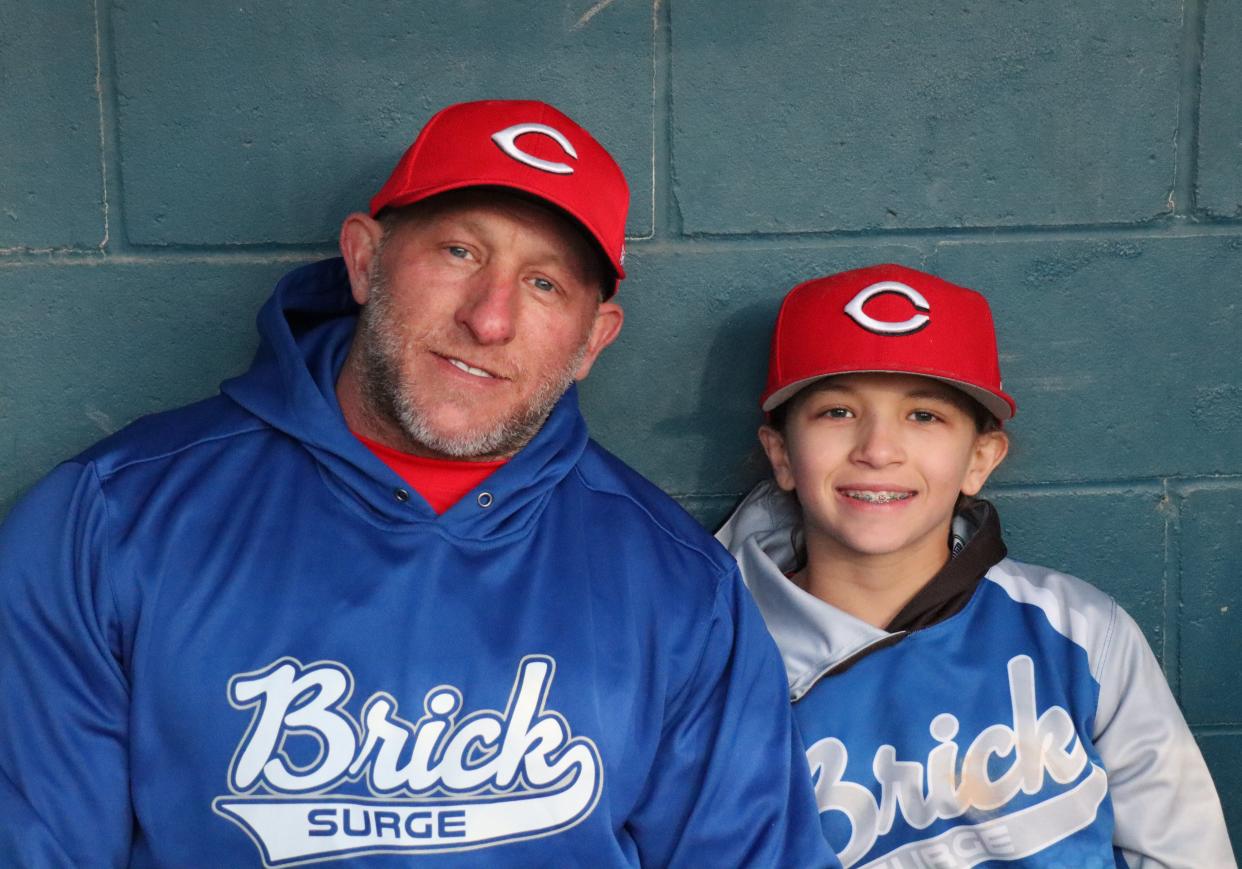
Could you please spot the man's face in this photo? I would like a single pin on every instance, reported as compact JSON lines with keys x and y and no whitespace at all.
{"x":479,"y":312}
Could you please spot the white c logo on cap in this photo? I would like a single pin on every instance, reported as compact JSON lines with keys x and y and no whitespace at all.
{"x":888,"y":327}
{"x":507,"y":140}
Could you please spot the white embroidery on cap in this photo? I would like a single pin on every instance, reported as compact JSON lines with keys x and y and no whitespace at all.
{"x":507,"y":140}
{"x":889,"y":327}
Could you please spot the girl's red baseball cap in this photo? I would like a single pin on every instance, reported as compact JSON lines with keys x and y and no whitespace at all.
{"x":888,"y":319}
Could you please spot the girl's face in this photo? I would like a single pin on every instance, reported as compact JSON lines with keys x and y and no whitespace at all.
{"x":877,"y":461}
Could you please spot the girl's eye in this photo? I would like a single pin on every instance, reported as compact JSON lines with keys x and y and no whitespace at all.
{"x":923,"y":416}
{"x":837,"y":413}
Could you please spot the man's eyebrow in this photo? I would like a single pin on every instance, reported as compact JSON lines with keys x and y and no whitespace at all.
{"x":461,"y":221}
{"x":479,"y":228}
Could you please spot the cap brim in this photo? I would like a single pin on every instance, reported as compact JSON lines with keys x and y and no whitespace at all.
{"x":413,"y":196}
{"x":999,"y":404}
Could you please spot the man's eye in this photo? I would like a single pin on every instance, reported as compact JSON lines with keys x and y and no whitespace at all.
{"x":458,"y":251}
{"x":544,"y":284}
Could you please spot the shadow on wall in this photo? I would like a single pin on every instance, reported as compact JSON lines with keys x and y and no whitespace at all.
{"x":723,"y":414}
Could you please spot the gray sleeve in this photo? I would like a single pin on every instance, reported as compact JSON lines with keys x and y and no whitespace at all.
{"x":1168,"y":815}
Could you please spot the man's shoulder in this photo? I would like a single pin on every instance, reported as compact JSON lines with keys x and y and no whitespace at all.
{"x":640,"y":509}
{"x":170,"y":433}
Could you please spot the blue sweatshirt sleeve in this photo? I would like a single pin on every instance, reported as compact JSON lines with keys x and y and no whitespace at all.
{"x":733,"y":786}
{"x":64,"y":797}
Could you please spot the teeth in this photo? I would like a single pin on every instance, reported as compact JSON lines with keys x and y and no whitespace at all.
{"x":469,"y":369}
{"x":877,"y":497}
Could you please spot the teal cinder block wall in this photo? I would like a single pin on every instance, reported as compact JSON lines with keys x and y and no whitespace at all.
{"x":161,"y":164}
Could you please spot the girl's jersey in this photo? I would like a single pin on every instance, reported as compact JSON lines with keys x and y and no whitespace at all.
{"x":1009,"y":716}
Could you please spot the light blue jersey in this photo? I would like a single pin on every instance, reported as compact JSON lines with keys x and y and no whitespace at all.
{"x":1025,"y":723}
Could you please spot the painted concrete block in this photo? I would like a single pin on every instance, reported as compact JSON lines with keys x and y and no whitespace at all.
{"x":96,"y":346}
{"x":269,"y":122}
{"x":1220,"y":122}
{"x":51,"y":183}
{"x":1223,"y":753}
{"x":797,"y":116}
{"x":1120,"y":353}
{"x":1113,"y":538}
{"x":678,"y":395}
{"x":1211,"y":620}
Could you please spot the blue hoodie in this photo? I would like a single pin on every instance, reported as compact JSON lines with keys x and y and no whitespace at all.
{"x":229,"y":636}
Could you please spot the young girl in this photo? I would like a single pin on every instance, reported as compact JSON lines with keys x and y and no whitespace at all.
{"x":960,"y":709}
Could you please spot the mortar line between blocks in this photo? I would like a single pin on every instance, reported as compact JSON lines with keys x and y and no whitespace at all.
{"x":666,"y":220}
{"x":1172,"y":639}
{"x":1186,"y":137}
{"x":1158,"y":226}
{"x":103,"y":138}
{"x":95,"y":258}
{"x":1164,"y":485}
{"x":668,"y":242}
{"x":665,"y":243}
{"x":655,"y":125}
{"x":109,"y":133}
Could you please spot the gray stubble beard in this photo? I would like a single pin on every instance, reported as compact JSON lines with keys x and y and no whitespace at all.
{"x":384,"y":346}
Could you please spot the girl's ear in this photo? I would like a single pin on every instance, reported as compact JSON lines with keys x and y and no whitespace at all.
{"x":778,"y":456}
{"x":988,"y":452}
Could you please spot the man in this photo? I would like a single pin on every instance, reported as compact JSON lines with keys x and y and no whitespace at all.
{"x":382,"y":597}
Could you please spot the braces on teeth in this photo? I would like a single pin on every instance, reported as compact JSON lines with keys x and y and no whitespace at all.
{"x":878,"y":497}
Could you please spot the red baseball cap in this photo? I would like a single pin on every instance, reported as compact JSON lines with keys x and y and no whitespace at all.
{"x":522,"y":145}
{"x":890,"y":319}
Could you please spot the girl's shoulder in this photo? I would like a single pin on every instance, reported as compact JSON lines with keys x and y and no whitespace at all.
{"x":1077,"y":610}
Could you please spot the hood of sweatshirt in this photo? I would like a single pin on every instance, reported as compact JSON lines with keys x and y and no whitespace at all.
{"x":815,"y":638}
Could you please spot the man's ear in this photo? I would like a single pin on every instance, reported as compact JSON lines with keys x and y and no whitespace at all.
{"x":360,"y":240}
{"x":778,"y":456}
{"x":609,"y":317}
{"x":988,"y":452}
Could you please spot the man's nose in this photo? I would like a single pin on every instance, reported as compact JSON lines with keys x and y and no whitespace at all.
{"x":490,"y":310}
